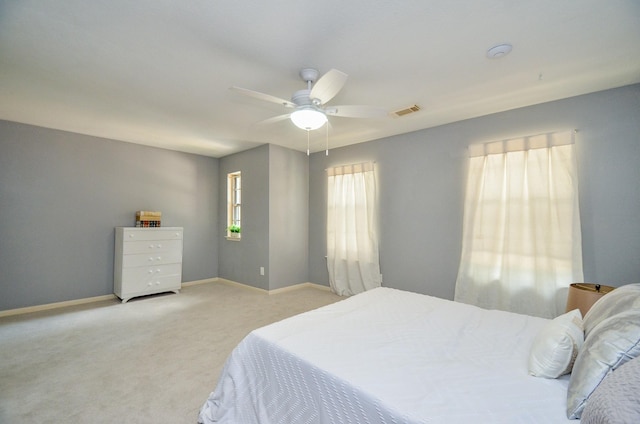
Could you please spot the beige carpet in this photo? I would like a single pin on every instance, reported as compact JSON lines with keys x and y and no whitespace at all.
{"x":151,"y":360}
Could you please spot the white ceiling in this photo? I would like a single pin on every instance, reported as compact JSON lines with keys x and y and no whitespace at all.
{"x":158,"y":72}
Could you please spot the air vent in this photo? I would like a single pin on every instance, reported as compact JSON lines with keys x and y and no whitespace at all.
{"x":406,"y":111}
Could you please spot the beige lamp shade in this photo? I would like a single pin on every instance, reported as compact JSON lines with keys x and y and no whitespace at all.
{"x":583,"y":295}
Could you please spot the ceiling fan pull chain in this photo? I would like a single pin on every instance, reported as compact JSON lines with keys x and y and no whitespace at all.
{"x":308,"y":142}
{"x":326,"y":152}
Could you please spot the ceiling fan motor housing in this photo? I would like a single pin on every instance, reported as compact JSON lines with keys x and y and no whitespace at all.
{"x":301,"y":97}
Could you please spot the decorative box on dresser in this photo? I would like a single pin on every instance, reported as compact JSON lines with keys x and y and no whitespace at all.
{"x":147,"y":261}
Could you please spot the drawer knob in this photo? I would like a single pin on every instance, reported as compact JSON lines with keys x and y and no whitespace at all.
{"x":150,"y":271}
{"x":151,"y":246}
{"x":151,"y":259}
{"x":159,"y":246}
{"x":159,"y":258}
{"x":149,"y":284}
{"x":158,"y":270}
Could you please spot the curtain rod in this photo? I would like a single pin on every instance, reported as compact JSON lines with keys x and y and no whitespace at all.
{"x":351,"y":164}
{"x":574,"y":131}
{"x":525,"y":142}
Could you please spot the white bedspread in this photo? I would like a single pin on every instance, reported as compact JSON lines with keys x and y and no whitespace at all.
{"x":388,"y":356}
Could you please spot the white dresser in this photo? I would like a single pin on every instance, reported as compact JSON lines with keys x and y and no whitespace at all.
{"x":147,"y":261}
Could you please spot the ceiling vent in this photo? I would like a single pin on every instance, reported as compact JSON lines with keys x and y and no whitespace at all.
{"x":406,"y":111}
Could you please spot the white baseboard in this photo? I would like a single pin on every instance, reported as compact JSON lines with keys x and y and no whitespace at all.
{"x":274,"y":291}
{"x":241,"y":285}
{"x":300,"y":286}
{"x":55,"y":305}
{"x":196,"y":282}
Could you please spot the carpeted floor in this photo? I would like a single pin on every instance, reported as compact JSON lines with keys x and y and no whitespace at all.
{"x":151,"y":360}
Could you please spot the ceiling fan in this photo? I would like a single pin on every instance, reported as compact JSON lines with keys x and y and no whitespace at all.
{"x":310,"y":104}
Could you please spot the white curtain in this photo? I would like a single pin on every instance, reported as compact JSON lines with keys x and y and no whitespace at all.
{"x":352,"y":233}
{"x":521,"y":245}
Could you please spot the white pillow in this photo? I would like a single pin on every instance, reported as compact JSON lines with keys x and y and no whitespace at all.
{"x":556,"y":346}
{"x":621,"y":299}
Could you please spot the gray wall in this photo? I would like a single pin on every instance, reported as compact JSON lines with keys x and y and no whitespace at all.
{"x":288,"y":217}
{"x":275,"y":203}
{"x":62,"y":194}
{"x":421,"y":179}
{"x":240,"y":261}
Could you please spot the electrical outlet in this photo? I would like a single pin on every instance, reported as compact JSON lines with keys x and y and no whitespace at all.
{"x":261,"y":270}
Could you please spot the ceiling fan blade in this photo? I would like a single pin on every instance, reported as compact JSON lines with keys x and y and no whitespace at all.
{"x":263,"y":96}
{"x":328,"y":85}
{"x":275,"y":119}
{"x":354,"y":111}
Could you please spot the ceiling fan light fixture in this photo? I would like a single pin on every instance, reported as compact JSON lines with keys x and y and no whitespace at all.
{"x":308,"y":119}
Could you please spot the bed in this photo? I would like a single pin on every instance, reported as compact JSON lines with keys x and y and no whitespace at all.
{"x":391,"y":356}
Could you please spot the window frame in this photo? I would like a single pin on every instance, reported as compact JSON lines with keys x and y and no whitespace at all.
{"x":234,"y":204}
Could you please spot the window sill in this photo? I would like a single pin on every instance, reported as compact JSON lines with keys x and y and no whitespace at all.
{"x":233,"y":238}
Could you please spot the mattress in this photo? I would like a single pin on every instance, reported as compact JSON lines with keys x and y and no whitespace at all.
{"x":388,"y":356}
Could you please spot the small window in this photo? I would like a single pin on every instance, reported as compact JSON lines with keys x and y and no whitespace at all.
{"x":234,"y":202}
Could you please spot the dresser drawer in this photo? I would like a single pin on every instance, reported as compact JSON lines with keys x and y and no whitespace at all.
{"x":150,"y":259}
{"x":154,"y":285}
{"x":134,"y":234}
{"x":151,"y":246}
{"x":148,"y":273}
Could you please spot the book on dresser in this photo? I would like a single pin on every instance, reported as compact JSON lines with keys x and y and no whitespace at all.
{"x":147,"y":261}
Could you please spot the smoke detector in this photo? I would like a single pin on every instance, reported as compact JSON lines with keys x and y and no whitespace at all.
{"x":501,"y":50}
